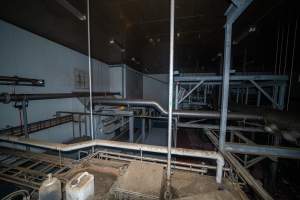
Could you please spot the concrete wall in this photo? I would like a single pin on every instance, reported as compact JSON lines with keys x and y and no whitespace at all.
{"x":156,"y":88}
{"x":25,"y":54}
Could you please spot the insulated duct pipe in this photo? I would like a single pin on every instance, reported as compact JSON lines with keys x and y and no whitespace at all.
{"x":180,"y":113}
{"x":7,"y":98}
{"x":121,"y":145}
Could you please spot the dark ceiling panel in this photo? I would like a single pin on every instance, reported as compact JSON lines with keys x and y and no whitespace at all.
{"x":141,"y":27}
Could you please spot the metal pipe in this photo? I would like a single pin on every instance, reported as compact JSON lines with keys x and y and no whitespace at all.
{"x":7,"y":98}
{"x":217,"y":127}
{"x":90,"y":69}
{"x":170,"y":114}
{"x":265,"y":150}
{"x":25,"y":121}
{"x":179,"y":113}
{"x":121,"y":145}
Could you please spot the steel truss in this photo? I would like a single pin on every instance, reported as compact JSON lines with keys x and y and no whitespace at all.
{"x":193,"y":89}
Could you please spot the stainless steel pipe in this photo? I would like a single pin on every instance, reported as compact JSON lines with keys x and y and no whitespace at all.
{"x":180,"y":113}
{"x":121,"y":145}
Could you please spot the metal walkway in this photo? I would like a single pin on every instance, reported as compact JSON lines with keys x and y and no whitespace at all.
{"x":29,"y":169}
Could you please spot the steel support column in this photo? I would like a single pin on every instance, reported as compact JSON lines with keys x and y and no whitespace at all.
{"x":225,"y":91}
{"x":281,"y":99}
{"x":167,"y":194}
{"x":25,"y":121}
{"x":258,"y":99}
{"x":176,"y":95}
{"x":143,"y":130}
{"x":131,"y":129}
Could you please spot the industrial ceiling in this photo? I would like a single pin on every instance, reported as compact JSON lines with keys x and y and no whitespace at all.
{"x":136,"y":32}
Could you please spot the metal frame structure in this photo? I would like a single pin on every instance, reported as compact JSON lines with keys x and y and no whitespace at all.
{"x":38,"y":126}
{"x":29,"y":169}
{"x":240,"y":85}
{"x":226,"y":149}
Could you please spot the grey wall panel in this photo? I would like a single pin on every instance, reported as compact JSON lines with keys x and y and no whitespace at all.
{"x":27,"y":55}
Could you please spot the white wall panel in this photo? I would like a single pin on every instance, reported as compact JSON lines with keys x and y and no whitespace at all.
{"x":25,"y":54}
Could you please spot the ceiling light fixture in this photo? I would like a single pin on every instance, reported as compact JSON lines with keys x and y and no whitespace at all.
{"x":116,"y":43}
{"x":112,"y":41}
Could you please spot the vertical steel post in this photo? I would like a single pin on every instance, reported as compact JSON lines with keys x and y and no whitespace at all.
{"x":79,"y":125}
{"x":225,"y":91}
{"x":90,"y":70}
{"x":281,"y":96}
{"x":143,"y":130}
{"x":25,"y":121}
{"x":73,"y":126}
{"x":258,"y":98}
{"x":143,"y":127}
{"x":149,"y":122}
{"x":131,"y":129}
{"x":220,"y":86}
{"x":85,"y":118}
{"x":172,"y":14}
{"x":176,"y":95}
{"x":275,"y":95}
{"x":205,"y":94}
{"x":237,"y":95}
{"x":246,"y":95}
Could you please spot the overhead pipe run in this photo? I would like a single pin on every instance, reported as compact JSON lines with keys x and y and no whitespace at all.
{"x":179,"y":113}
{"x":7,"y":98}
{"x":121,"y":145}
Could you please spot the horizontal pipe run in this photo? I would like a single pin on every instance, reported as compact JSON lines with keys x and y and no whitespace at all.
{"x":117,"y":155}
{"x":217,"y":127}
{"x":121,"y":145}
{"x":15,"y":80}
{"x":263,"y":150}
{"x":179,"y":113}
{"x":7,"y":98}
